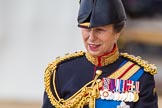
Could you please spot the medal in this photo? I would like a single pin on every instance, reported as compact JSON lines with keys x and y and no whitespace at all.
{"x":116,"y":93}
{"x":104,"y":94}
{"x":131,"y":97}
{"x":123,"y":105}
{"x":128,"y":97}
{"x":131,"y":92}
{"x":137,"y":87}
{"x":136,"y":96}
{"x":111,"y":95}
{"x":116,"y":96}
{"x":119,"y":90}
{"x":126,"y":91}
{"x":130,"y":87}
{"x":123,"y":96}
{"x":105,"y":82}
{"x":112,"y":85}
{"x":111,"y":89}
{"x":129,"y":84}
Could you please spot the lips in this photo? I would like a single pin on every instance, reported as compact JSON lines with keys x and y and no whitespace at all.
{"x":94,"y":47}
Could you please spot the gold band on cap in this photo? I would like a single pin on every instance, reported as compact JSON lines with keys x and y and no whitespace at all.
{"x":86,"y":24}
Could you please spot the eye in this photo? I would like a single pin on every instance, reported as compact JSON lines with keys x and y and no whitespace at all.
{"x":100,"y":30}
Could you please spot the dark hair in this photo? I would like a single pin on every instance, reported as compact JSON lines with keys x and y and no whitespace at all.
{"x":119,"y":26}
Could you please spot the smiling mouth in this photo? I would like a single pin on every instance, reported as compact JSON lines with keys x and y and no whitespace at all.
{"x":94,"y":47}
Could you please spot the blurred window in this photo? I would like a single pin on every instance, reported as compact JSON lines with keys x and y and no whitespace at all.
{"x":143,"y":8}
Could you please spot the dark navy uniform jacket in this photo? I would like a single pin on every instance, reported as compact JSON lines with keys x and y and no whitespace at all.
{"x":74,"y":73}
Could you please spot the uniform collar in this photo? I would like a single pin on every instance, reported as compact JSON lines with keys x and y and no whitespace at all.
{"x":105,"y":59}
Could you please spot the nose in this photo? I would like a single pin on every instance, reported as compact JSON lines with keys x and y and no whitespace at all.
{"x":92,"y":35}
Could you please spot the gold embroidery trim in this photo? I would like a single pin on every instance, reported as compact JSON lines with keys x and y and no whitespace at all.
{"x":93,"y":60}
{"x":61,"y":103}
{"x":86,"y":95}
{"x":105,"y":60}
{"x":150,"y":68}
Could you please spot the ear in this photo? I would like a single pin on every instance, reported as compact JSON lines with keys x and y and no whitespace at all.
{"x":117,"y":36}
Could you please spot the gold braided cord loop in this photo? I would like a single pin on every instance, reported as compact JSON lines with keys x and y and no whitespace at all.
{"x":79,"y":99}
{"x":150,"y":68}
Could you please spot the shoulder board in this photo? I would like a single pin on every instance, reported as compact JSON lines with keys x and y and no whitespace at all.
{"x":150,"y":68}
{"x":51,"y":70}
{"x":70,"y":56}
{"x":67,"y":56}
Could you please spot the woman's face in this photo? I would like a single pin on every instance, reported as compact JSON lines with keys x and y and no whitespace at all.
{"x":99,"y":40}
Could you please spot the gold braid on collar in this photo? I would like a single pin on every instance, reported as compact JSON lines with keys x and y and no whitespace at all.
{"x":104,"y":60}
{"x":150,"y":68}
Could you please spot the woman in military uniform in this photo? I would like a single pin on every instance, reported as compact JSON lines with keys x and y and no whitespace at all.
{"x":101,"y":77}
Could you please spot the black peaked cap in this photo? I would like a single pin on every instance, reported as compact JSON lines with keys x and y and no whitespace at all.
{"x":94,"y":13}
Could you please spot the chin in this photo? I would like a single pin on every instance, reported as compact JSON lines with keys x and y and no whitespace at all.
{"x":94,"y":53}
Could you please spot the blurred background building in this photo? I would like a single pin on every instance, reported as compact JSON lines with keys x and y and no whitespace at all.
{"x":34,"y":32}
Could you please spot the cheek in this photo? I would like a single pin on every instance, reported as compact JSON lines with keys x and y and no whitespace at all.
{"x":85,"y":38}
{"x":84,"y":35}
{"x":109,"y":41}
{"x":114,"y":37}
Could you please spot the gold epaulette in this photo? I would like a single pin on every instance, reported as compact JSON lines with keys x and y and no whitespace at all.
{"x":150,"y":68}
{"x":51,"y":70}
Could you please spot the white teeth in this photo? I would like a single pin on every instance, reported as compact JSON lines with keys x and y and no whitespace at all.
{"x":93,"y":45}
